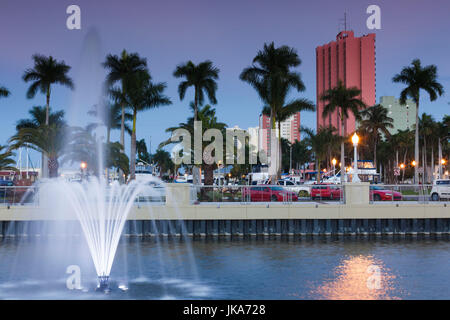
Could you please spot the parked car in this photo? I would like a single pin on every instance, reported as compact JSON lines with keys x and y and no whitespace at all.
{"x":301,"y":190}
{"x":268,"y":193}
{"x":440,"y":190}
{"x":379,"y":193}
{"x":325,"y":191}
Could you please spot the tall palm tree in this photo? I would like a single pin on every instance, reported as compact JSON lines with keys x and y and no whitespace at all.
{"x":202,"y":77}
{"x":140,"y":94}
{"x":50,"y":140}
{"x":416,"y":78}
{"x":110,"y":115}
{"x":282,"y":111}
{"x":4,"y":92}
{"x":46,"y":72}
{"x":272,"y":78}
{"x":120,"y":69}
{"x":427,"y":127}
{"x":6,"y":161}
{"x":345,"y":100}
{"x":319,"y":143}
{"x":375,"y":121}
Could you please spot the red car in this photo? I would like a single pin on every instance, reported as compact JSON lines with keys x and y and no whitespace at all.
{"x":378,"y":193}
{"x":268,"y":193}
{"x":325,"y":191}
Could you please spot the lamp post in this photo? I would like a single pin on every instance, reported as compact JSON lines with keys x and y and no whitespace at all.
{"x":414,"y":163}
{"x":355,"y":140}
{"x":334,"y":161}
{"x":83,"y":166}
{"x":441,"y":164}
{"x":402,"y":167}
{"x":219,"y":165}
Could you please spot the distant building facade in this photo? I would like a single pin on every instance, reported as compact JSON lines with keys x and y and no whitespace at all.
{"x":404,"y":116}
{"x":289,"y":129}
{"x":351,"y":60}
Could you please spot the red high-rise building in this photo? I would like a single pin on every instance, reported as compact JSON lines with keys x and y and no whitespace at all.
{"x":351,"y":60}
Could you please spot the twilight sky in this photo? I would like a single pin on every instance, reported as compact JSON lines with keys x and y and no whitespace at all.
{"x":227,"y":32}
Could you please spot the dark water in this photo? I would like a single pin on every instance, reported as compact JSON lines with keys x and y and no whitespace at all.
{"x":218,"y":268}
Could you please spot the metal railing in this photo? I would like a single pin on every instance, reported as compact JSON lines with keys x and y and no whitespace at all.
{"x":402,"y":192}
{"x":245,"y":194}
{"x":18,"y":195}
{"x":29,"y":195}
{"x":268,"y":193}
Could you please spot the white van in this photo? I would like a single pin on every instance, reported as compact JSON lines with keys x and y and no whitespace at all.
{"x":440,"y":190}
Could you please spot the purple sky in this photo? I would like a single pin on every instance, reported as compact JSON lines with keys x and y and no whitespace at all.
{"x":227,"y":32}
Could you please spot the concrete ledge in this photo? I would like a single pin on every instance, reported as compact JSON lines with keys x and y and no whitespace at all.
{"x":251,"y":211}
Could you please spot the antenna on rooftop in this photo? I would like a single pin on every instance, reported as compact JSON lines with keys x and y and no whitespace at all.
{"x":343,"y":22}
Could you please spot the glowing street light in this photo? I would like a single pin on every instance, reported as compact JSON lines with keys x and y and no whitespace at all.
{"x":83,"y":165}
{"x":355,"y":177}
{"x":414,"y":163}
{"x":402,"y":166}
{"x":334,"y":161}
{"x":443,"y":161}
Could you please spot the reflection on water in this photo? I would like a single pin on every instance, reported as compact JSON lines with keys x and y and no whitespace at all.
{"x":358,"y":278}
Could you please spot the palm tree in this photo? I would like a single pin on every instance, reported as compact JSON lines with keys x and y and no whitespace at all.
{"x":375,"y":121}
{"x":417,"y":78}
{"x":283,"y":112}
{"x":202,"y":77}
{"x":271,"y":76}
{"x":46,"y":72}
{"x":120,"y":69}
{"x":207,"y":115}
{"x":163,"y":160}
{"x":345,"y":100}
{"x":110,"y":115}
{"x":83,"y":147}
{"x":427,"y":127}
{"x":6,"y":161}
{"x":300,"y":153}
{"x":140,"y":94}
{"x":4,"y":92}
{"x":38,"y":117}
{"x":50,"y":140}
{"x":142,"y":152}
{"x":319,"y":144}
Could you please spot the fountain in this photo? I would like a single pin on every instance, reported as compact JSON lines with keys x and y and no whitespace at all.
{"x":102,"y":211}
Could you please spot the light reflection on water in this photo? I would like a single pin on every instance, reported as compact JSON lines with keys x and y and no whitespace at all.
{"x":358,"y":278}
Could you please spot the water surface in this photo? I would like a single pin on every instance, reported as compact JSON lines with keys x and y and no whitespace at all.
{"x":242,"y":268}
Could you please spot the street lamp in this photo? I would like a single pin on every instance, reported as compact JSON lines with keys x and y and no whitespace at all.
{"x":334,"y":161}
{"x":355,"y":177}
{"x":83,"y":166}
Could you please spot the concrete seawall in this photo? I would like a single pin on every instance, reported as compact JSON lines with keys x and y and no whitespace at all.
{"x":248,"y":227}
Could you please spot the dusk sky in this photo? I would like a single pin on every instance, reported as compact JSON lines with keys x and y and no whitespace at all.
{"x":227,"y":32}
